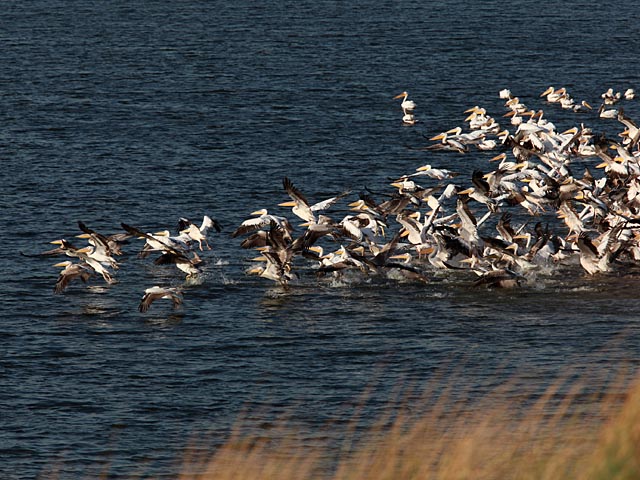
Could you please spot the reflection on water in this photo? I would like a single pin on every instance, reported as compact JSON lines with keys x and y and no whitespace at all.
{"x":156,"y":320}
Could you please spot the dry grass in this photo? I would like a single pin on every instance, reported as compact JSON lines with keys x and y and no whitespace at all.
{"x":567,"y":433}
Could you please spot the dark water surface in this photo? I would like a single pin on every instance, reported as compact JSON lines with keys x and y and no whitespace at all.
{"x":143,"y":112}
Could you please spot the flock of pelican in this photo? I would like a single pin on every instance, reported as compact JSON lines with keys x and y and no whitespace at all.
{"x":99,"y":257}
{"x":546,"y":199}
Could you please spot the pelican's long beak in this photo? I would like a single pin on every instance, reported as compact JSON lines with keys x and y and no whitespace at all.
{"x":547,"y":91}
{"x":572,"y":130}
{"x":290,"y":203}
{"x":83,"y":235}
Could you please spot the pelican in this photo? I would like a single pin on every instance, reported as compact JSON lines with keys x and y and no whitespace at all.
{"x":436,"y":173}
{"x":499,"y":278}
{"x":86,"y":255}
{"x":629,"y":94}
{"x":300,"y":205}
{"x":101,"y":251}
{"x":71,"y":272}
{"x":155,"y":293}
{"x":181,"y":261}
{"x":112,"y":244}
{"x":158,"y":242}
{"x":262,"y":218}
{"x":448,"y":143}
{"x":590,"y":259}
{"x":505,"y":94}
{"x":553,"y":95}
{"x":199,"y":234}
{"x":407,"y":105}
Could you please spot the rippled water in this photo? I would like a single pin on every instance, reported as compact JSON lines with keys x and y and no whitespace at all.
{"x":116,"y":112}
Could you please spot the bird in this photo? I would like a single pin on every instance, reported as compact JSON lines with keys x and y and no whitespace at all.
{"x":198,"y":234}
{"x":261,"y":219}
{"x":156,"y":292}
{"x":72,"y":271}
{"x":407,"y":105}
{"x":300,"y":205}
{"x":499,"y":278}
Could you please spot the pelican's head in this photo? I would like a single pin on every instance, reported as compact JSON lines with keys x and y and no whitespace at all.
{"x":317,"y":249}
{"x":262,"y":211}
{"x":290,"y":203}
{"x":547,"y":91}
{"x":358,"y":205}
{"x":423,"y":168}
{"x":403,"y":256}
{"x":163,"y":233}
{"x":84,"y":235}
{"x":403,"y":94}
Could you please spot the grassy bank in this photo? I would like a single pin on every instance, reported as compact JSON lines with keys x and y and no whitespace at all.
{"x":566,"y":433}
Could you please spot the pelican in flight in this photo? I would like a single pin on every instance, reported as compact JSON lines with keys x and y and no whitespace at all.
{"x":155,"y":293}
{"x":300,"y":205}
{"x":407,"y":105}
{"x":71,"y":271}
{"x":198,"y":234}
{"x":261,"y":219}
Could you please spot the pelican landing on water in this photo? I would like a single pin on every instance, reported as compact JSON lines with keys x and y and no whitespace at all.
{"x":156,"y":293}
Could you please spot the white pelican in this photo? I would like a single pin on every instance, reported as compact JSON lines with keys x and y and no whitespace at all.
{"x":157,"y":242}
{"x":199,"y":234}
{"x":553,"y":95}
{"x":629,"y":94}
{"x":71,"y":272}
{"x":155,"y":293}
{"x":300,"y":205}
{"x":437,"y":173}
{"x":505,"y":94}
{"x":407,"y":105}
{"x":498,"y":278}
{"x":261,"y":219}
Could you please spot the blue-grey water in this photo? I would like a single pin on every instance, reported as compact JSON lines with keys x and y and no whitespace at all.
{"x":143,"y":112}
